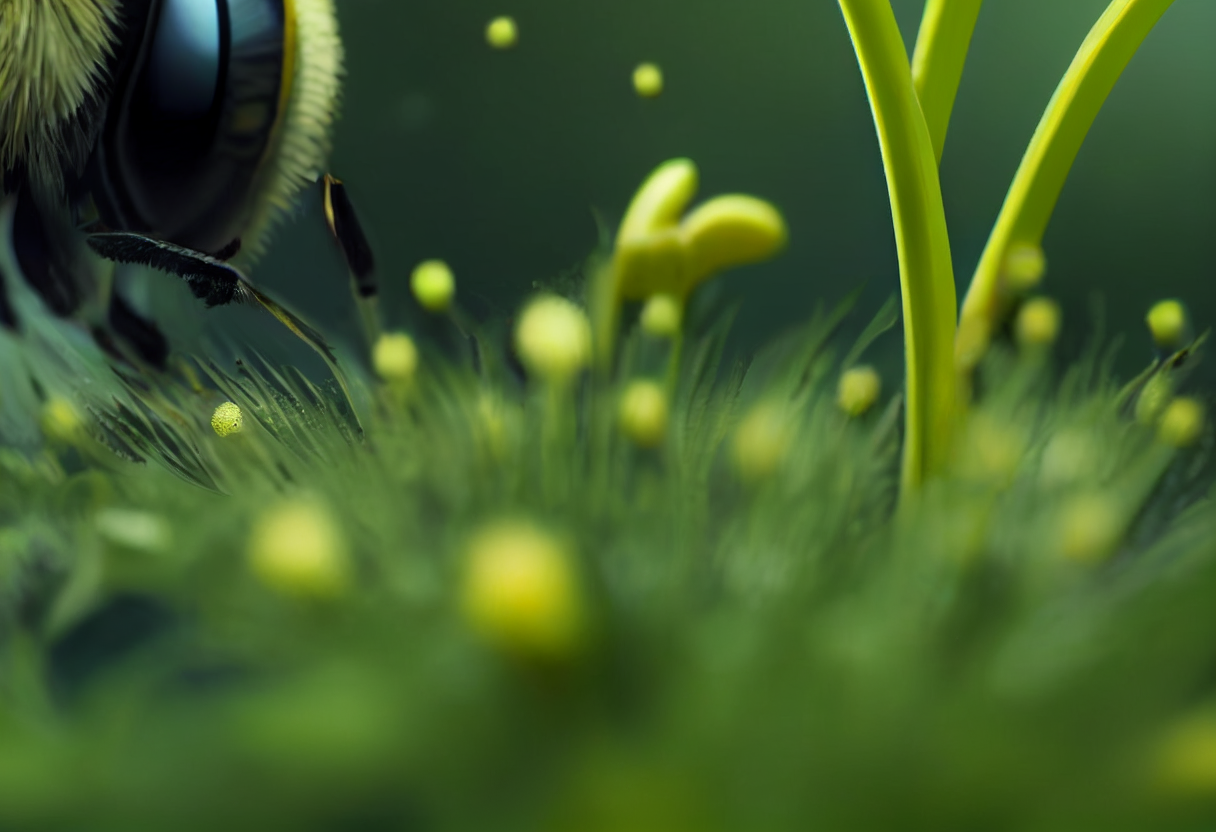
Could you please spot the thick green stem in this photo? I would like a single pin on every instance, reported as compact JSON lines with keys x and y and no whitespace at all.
{"x":937,"y":63}
{"x":1040,"y":178}
{"x":926,"y":278}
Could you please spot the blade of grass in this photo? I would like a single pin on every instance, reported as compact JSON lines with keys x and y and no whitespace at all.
{"x":1053,"y":148}
{"x":926,"y":276}
{"x":937,"y":62}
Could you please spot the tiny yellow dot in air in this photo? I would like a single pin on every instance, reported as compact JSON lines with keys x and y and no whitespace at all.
{"x":648,"y":80}
{"x":502,"y":33}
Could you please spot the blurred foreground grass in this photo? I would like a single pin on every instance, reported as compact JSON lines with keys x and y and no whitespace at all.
{"x":511,"y":604}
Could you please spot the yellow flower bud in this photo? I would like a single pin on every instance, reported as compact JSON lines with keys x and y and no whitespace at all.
{"x":1024,"y":267}
{"x":553,"y":338}
{"x":502,"y":33}
{"x":433,"y":285}
{"x":296,"y":548}
{"x":643,"y":413}
{"x":394,"y":357}
{"x":1182,"y":422}
{"x":1038,"y":322}
{"x":662,"y":316}
{"x":761,"y":441}
{"x":649,"y":256}
{"x":520,"y":591}
{"x":1167,"y":322}
{"x":61,"y":421}
{"x":1090,"y":528}
{"x":730,"y":231}
{"x":227,"y":419}
{"x":648,"y":80}
{"x":858,"y":390}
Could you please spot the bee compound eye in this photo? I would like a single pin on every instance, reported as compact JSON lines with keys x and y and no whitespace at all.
{"x":190,"y":128}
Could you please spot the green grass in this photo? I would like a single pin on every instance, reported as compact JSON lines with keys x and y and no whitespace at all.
{"x":479,"y":605}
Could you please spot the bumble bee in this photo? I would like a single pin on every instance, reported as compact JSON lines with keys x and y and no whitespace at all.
{"x":167,"y":133}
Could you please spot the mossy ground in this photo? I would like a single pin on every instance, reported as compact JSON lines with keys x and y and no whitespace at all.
{"x":751,"y":635}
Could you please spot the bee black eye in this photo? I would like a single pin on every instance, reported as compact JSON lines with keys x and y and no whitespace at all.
{"x":192,"y":120}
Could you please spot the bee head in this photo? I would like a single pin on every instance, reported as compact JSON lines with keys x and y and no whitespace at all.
{"x":194,"y":122}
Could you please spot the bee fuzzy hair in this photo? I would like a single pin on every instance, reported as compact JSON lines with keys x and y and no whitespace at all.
{"x":303,"y":139}
{"x":53,"y":56}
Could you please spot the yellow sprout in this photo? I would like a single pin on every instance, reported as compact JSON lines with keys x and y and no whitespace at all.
{"x":296,"y":548}
{"x":502,"y":33}
{"x":761,"y":441}
{"x":648,"y":80}
{"x":858,"y":390}
{"x":1167,"y":322}
{"x":520,"y":591}
{"x":1024,"y":267}
{"x":1181,"y":423}
{"x":1038,"y":323}
{"x":394,"y":357}
{"x":1090,"y":528}
{"x":643,"y":413}
{"x":227,"y":419}
{"x":661,"y":316}
{"x":729,"y":231}
{"x":656,"y":252}
{"x":61,"y":421}
{"x":433,"y":285}
{"x":553,"y":338}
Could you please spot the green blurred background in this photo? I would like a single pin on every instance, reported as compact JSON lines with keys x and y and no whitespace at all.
{"x":493,"y":160}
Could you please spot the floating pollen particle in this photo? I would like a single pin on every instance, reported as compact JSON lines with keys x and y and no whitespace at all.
{"x":553,"y":338}
{"x":227,"y":419}
{"x":433,"y":285}
{"x":394,"y":357}
{"x":858,"y":390}
{"x":297,"y":549}
{"x":1038,"y":323}
{"x":648,"y":80}
{"x":502,"y":33}
{"x":520,"y":591}
{"x":643,"y":413}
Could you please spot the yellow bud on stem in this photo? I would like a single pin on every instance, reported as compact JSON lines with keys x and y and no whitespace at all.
{"x":553,"y":339}
{"x":858,"y":390}
{"x":1167,"y":322}
{"x":643,"y":413}
{"x":433,"y":285}
{"x":227,"y":419}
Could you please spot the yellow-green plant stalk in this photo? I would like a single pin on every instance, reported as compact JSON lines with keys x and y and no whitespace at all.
{"x":1040,"y":177}
{"x":925,"y":273}
{"x":937,"y":62}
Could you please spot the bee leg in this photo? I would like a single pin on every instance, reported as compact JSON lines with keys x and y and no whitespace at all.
{"x":44,"y":253}
{"x":139,"y":333}
{"x":344,"y":225}
{"x":216,"y":283}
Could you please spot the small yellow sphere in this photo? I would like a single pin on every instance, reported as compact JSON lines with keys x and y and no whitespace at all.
{"x":520,"y":591}
{"x":1181,"y":423}
{"x":661,"y":316}
{"x":1038,"y":323}
{"x":1167,"y":322}
{"x":394,"y":357}
{"x":761,"y":441}
{"x":433,"y":285}
{"x":1024,"y":267}
{"x":643,"y":413}
{"x":502,"y":33}
{"x":648,"y":80}
{"x":227,"y":419}
{"x":61,"y":421}
{"x":553,"y":338}
{"x":1090,"y":529}
{"x":296,"y":548}
{"x":858,"y":390}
